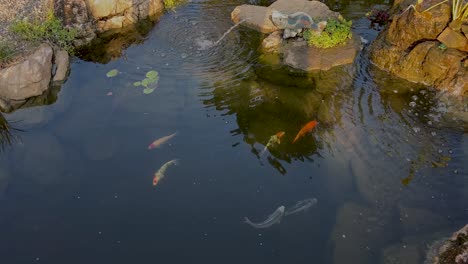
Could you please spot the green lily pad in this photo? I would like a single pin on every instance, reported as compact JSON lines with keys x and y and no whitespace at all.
{"x":112,"y":73}
{"x":153,"y":75}
{"x":147,"y":82}
{"x":136,"y":84}
{"x":148,"y":90}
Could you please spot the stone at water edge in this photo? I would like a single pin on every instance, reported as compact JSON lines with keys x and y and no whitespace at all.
{"x":300,"y":56}
{"x":62,"y":60}
{"x":90,"y":17}
{"x":273,"y":42}
{"x":28,"y":78}
{"x":454,"y":250}
{"x":255,"y":17}
{"x":453,"y":39}
{"x":259,"y":17}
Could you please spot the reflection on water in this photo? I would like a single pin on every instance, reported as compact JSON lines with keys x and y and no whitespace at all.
{"x":386,"y":163}
{"x":8,"y":134}
{"x":112,"y":44}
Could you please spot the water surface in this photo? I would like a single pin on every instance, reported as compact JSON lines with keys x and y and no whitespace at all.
{"x":387,"y":165}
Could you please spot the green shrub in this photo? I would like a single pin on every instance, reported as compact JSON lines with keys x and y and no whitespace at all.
{"x":337,"y":32}
{"x":171,"y":4}
{"x":51,"y":30}
{"x":6,"y":51}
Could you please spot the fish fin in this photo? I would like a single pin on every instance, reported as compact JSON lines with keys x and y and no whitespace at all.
{"x":247,"y":221}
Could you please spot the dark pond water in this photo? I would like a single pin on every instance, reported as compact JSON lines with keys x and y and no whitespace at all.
{"x":386,"y":163}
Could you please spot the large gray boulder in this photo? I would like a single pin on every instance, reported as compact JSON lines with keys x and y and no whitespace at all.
{"x":28,"y":78}
{"x":32,"y":79}
{"x":259,"y":17}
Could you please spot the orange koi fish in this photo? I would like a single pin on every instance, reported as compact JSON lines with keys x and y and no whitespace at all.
{"x":304,"y":130}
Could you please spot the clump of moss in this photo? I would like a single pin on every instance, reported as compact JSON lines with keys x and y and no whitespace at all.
{"x":51,"y":30}
{"x":171,"y":4}
{"x":337,"y":32}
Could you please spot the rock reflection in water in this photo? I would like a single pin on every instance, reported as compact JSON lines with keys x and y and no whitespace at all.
{"x":263,"y":108}
{"x":111,"y":44}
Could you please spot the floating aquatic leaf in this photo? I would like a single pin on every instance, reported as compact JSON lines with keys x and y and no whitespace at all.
{"x":145,"y":82}
{"x":136,"y":84}
{"x":153,"y":75}
{"x":148,"y":90}
{"x":112,"y":73}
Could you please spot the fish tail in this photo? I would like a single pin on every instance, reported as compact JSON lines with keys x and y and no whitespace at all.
{"x":176,"y":161}
{"x":296,"y":138}
{"x":151,"y":146}
{"x":247,"y":221}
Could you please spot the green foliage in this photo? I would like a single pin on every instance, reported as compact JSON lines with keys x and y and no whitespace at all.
{"x":337,"y":32}
{"x":51,"y":30}
{"x":6,"y":51}
{"x":171,"y":4}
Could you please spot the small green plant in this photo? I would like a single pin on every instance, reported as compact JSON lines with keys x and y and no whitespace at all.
{"x":171,"y":4}
{"x":6,"y":51}
{"x":51,"y":30}
{"x":337,"y":32}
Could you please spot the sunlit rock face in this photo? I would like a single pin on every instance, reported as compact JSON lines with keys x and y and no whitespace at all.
{"x":93,"y":17}
{"x":411,"y":49}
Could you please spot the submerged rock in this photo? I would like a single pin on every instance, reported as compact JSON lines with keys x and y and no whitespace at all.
{"x":453,"y":251}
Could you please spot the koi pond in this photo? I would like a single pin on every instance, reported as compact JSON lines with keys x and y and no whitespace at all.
{"x":381,"y":177}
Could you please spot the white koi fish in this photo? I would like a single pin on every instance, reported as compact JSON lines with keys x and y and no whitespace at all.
{"x":160,"y":141}
{"x":274,"y":218}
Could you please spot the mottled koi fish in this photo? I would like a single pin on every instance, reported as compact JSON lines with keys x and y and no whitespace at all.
{"x":275,"y":139}
{"x":304,"y":130}
{"x":159,"y":175}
